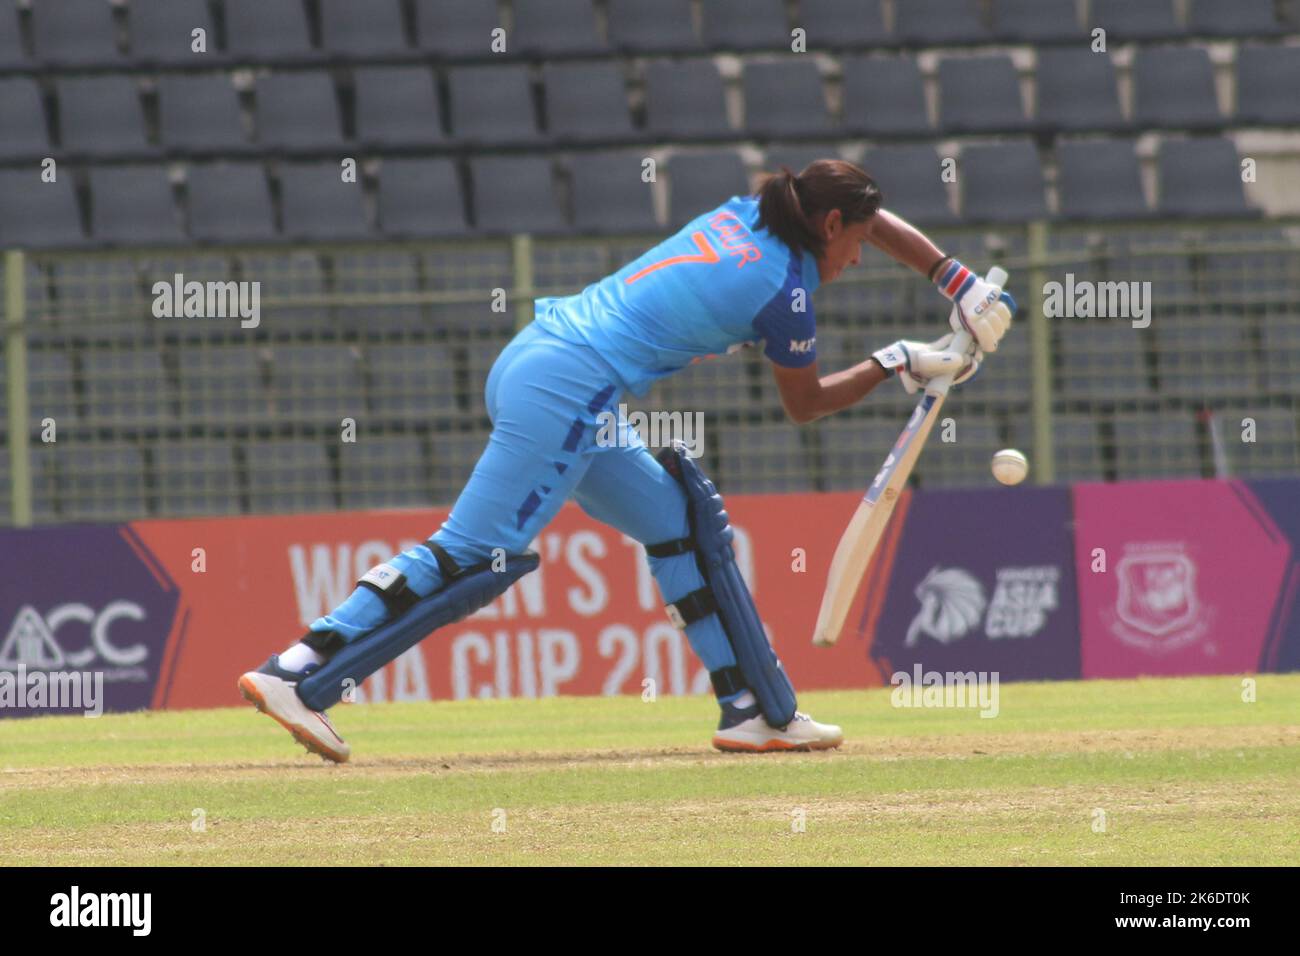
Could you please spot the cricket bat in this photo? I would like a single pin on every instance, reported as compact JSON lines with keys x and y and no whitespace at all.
{"x":867,"y":527}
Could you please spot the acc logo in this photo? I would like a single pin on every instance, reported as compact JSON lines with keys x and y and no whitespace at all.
{"x":1157,"y":608}
{"x":31,"y":639}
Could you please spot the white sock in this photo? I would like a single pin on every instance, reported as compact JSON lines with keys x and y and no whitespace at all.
{"x":299,"y":656}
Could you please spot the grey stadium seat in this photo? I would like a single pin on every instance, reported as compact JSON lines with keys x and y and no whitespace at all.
{"x":852,"y":449}
{"x":412,"y":382}
{"x":298,"y":111}
{"x":22,"y":119}
{"x":162,"y":32}
{"x":320,"y":383}
{"x":491,"y":105}
{"x":909,"y":180}
{"x":1275,"y":452}
{"x":515,"y":194}
{"x":456,"y":28}
{"x":420,"y":197}
{"x":397,"y":106}
{"x":11,"y":47}
{"x":273,"y":31}
{"x":74,"y":33}
{"x":1002,"y":183}
{"x":843,"y":24}
{"x":1036,"y":21}
{"x":101,"y":116}
{"x":586,"y":102}
{"x":289,"y":474}
{"x":762,"y":459}
{"x":1281,"y":353}
{"x":556,"y":28}
{"x":125,"y":386}
{"x":1100,"y":179}
{"x":1156,"y":445}
{"x":1101,"y":360}
{"x":102,"y":482}
{"x":963,"y":463}
{"x":1174,"y":89}
{"x":700,"y":181}
{"x":1204,"y":355}
{"x":1077,"y":91}
{"x":652,"y":26}
{"x":133,"y":204}
{"x":980,"y":94}
{"x":221,"y":385}
{"x":609,"y":195}
{"x":1232,"y":18}
{"x":317,"y":205}
{"x":370,"y":30}
{"x":785,"y":99}
{"x":1201,"y":177}
{"x":200,"y":112}
{"x":745,"y":25}
{"x":385,"y":471}
{"x":229,"y":202}
{"x":884,"y":96}
{"x":1267,"y":80}
{"x":197,"y":478}
{"x":1076,"y":445}
{"x":795,"y":158}
{"x":939,"y":22}
{"x":685,"y":99}
{"x":1128,"y":20}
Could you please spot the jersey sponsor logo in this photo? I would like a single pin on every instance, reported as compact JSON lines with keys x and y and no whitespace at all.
{"x":802,"y":346}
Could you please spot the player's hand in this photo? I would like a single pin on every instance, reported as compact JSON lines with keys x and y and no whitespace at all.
{"x":982,"y":309}
{"x":918,"y":362}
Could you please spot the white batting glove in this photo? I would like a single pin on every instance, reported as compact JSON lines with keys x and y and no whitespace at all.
{"x":918,"y":362}
{"x":982,"y":309}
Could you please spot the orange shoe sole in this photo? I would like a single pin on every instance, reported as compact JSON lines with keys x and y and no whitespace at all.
{"x":772,"y":746}
{"x":251,"y":694}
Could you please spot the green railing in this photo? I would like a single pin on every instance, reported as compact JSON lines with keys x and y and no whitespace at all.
{"x":361,"y":385}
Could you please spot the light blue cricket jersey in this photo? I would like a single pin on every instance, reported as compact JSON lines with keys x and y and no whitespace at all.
{"x":718,"y":284}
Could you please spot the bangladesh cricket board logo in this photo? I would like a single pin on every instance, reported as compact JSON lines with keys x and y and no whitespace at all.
{"x":1157,"y":608}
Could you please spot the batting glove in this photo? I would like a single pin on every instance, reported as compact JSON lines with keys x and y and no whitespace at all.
{"x":918,"y":362}
{"x":983,"y":309}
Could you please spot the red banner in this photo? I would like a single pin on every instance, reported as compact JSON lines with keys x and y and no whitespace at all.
{"x":588,"y":621}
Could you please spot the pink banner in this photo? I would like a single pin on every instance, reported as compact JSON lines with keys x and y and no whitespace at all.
{"x":1175,"y":577}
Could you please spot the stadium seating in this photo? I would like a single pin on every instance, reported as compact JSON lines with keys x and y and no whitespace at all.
{"x":698,"y":179}
{"x":793,"y":103}
{"x":1002,"y":183}
{"x":1036,"y":21}
{"x":1175,"y":89}
{"x":491,"y":105}
{"x":1201,"y":177}
{"x":1267,"y":78}
{"x":22,"y":120}
{"x":199,"y":113}
{"x":745,"y":25}
{"x":1128,"y":20}
{"x":1077,"y":91}
{"x":556,"y":28}
{"x":229,"y":202}
{"x":1100,"y":179}
{"x":980,"y":94}
{"x":162,"y":33}
{"x":610,"y":196}
{"x":884,"y":96}
{"x":586,"y":103}
{"x":843,"y":24}
{"x":397,"y":107}
{"x":642,"y":28}
{"x":685,"y":100}
{"x":420,"y":197}
{"x":355,"y":30}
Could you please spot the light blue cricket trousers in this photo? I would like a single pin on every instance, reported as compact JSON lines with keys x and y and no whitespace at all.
{"x":543,"y":396}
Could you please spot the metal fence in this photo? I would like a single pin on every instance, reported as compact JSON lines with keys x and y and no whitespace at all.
{"x":360,"y":385}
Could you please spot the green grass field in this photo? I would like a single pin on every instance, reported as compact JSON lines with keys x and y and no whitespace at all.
{"x":1163,"y":772}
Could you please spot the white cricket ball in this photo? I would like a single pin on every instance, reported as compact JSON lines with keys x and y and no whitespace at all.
{"x":1010,"y":466}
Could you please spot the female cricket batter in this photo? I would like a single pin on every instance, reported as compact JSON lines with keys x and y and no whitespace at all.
{"x":739,"y":274}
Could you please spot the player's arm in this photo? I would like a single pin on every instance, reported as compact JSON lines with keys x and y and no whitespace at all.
{"x":983,"y":309}
{"x":807,"y":396}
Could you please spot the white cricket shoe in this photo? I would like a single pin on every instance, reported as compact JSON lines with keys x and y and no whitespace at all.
{"x":274,"y":692}
{"x":756,"y":735}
